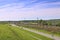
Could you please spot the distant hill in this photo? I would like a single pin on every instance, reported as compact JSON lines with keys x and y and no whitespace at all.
{"x":54,"y":21}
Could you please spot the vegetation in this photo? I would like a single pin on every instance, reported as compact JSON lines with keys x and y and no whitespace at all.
{"x":8,"y":32}
{"x":50,"y":26}
{"x":58,"y":24}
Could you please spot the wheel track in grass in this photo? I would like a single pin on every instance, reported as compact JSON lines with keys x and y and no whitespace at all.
{"x":18,"y":37}
{"x":33,"y":36}
{"x":29,"y":34}
{"x":22,"y":34}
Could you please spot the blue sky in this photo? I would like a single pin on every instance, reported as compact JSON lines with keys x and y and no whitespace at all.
{"x":29,"y":9}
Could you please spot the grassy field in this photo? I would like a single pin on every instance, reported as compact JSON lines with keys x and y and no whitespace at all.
{"x":47,"y":32}
{"x":47,"y":29}
{"x":14,"y":33}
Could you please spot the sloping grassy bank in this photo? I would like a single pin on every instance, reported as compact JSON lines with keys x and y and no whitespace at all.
{"x":8,"y":32}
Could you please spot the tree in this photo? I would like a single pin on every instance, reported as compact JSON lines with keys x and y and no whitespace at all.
{"x":58,"y":24}
{"x":43,"y":22}
{"x":49,"y":23}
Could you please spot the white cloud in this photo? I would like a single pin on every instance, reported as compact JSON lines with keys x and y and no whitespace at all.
{"x":13,"y":12}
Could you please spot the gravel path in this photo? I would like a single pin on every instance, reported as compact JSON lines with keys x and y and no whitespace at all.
{"x":44,"y":34}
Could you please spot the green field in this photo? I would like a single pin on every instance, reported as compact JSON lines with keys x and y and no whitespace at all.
{"x":47,"y":32}
{"x":15,"y":33}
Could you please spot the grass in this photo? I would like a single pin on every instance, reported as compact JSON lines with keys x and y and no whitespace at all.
{"x":47,"y":32}
{"x":15,"y":33}
{"x":38,"y":36}
{"x":54,"y":33}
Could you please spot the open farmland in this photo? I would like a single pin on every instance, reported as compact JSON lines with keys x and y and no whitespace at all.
{"x":8,"y":32}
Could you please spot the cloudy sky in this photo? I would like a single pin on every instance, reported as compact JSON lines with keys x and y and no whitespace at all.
{"x":29,"y":9}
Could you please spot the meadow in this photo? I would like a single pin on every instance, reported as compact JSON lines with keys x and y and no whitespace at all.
{"x":55,"y":30}
{"x":8,"y":32}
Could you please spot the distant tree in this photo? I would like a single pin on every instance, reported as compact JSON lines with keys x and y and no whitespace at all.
{"x":58,"y":24}
{"x":49,"y":23}
{"x":42,"y":22}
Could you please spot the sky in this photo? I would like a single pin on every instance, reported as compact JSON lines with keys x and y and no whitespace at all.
{"x":29,"y":9}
